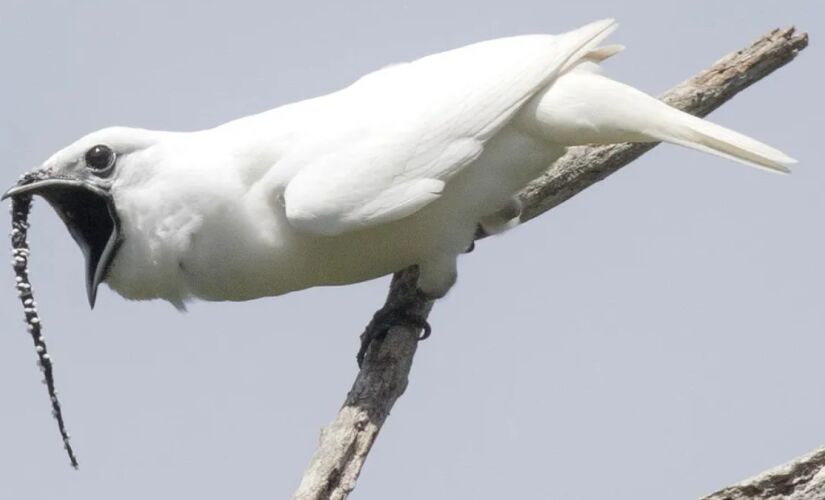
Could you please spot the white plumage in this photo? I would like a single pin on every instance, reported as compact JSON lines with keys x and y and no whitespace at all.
{"x":398,"y":169}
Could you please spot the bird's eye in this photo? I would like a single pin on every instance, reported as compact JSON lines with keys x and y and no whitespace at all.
{"x":100,"y":157}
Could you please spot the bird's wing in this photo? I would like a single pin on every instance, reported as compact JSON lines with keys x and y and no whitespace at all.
{"x":386,"y":146}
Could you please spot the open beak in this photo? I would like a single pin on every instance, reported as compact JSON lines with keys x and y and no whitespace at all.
{"x":88,"y":211}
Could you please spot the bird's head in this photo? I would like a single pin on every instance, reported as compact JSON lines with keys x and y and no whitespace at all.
{"x":77,"y":182}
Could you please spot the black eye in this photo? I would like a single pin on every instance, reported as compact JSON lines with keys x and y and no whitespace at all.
{"x":100,"y":157}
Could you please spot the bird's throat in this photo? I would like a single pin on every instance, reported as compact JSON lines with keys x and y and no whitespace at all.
{"x":92,"y":221}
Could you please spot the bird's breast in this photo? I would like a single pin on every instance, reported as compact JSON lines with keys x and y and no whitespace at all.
{"x":248,"y":250}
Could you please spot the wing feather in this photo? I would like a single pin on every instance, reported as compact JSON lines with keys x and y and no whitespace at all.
{"x":387,"y":145}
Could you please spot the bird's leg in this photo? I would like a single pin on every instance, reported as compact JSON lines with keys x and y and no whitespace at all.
{"x":409,"y":308}
{"x":395,"y":314}
{"x":505,"y":218}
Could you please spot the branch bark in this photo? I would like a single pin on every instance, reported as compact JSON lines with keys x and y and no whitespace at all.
{"x":800,"y":479}
{"x":346,"y":442}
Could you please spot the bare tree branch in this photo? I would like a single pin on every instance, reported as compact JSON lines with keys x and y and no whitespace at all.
{"x":346,"y":442}
{"x":800,"y":479}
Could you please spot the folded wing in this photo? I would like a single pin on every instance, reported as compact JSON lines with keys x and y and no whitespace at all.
{"x":388,"y":145}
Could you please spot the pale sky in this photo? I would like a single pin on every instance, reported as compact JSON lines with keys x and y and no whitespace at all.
{"x":658,"y":337}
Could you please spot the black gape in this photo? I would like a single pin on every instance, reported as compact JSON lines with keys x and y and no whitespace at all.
{"x":94,"y":226}
{"x":409,"y":307}
{"x":20,"y":207}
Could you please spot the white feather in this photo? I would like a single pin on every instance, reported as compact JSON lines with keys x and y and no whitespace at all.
{"x":422,"y":121}
{"x":583,"y":107}
{"x":398,"y":169}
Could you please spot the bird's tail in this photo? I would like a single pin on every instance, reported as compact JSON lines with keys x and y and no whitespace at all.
{"x":584,"y":107}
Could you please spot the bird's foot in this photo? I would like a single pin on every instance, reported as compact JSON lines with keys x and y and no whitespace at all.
{"x":386,"y":318}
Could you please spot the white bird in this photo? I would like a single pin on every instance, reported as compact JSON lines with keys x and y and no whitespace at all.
{"x":398,"y":169}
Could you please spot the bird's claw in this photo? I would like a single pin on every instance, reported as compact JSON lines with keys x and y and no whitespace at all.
{"x":381,"y":324}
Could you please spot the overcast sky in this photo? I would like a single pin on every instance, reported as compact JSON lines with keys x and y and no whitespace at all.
{"x":657,"y":337}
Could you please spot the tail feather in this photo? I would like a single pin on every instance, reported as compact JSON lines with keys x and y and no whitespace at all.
{"x":581,"y":42}
{"x":599,"y":54}
{"x":711,"y":138}
{"x":583,"y":107}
